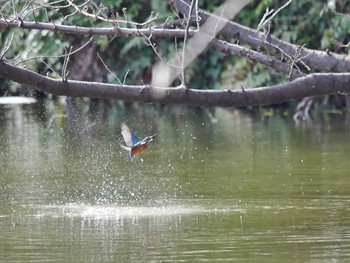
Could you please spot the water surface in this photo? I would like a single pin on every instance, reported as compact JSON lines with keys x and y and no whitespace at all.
{"x":240,"y":189}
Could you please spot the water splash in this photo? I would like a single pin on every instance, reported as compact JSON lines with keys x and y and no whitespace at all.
{"x":118,"y":212}
{"x":14,"y":100}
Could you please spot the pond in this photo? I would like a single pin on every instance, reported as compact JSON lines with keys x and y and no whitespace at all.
{"x":230,"y":188}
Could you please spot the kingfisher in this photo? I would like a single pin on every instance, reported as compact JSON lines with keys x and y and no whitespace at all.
{"x":133,"y":145}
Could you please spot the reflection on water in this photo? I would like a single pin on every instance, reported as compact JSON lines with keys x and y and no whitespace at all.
{"x":236,"y":190}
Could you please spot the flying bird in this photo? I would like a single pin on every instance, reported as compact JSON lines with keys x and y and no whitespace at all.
{"x":133,"y":145}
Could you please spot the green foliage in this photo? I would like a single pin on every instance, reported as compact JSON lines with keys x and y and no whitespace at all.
{"x":205,"y":73}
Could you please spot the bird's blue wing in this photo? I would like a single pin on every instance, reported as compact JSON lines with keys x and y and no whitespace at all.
{"x":130,"y":138}
{"x":134,"y":139}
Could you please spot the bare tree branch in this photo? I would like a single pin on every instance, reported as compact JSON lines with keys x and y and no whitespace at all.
{"x":255,"y":56}
{"x":102,"y":31}
{"x":311,"y":85}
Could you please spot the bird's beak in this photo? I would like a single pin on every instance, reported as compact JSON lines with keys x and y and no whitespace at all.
{"x":151,"y":137}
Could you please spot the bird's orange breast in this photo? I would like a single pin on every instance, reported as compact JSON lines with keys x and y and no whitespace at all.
{"x":138,"y":149}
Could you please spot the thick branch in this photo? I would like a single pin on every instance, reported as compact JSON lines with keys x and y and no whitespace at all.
{"x":316,"y":60}
{"x":311,"y":85}
{"x":255,"y":56}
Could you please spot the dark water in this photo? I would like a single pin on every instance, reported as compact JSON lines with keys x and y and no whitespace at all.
{"x":239,"y":189}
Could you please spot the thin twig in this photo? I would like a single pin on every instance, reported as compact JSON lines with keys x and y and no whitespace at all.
{"x":188,"y":20}
{"x":198,"y":19}
{"x":7,"y":46}
{"x":339,"y":44}
{"x":341,"y":14}
{"x":82,"y":10}
{"x":126,"y":74}
{"x":110,"y":71}
{"x":60,"y":56}
{"x":65,"y":64}
{"x":152,"y":45}
{"x":265,"y":20}
{"x":262,"y":21}
{"x":42,"y":61}
{"x":296,"y":58}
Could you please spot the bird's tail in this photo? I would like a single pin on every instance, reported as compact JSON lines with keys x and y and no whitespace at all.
{"x":128,"y":148}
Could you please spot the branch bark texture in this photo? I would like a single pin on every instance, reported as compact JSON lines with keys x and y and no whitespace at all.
{"x":311,"y":85}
